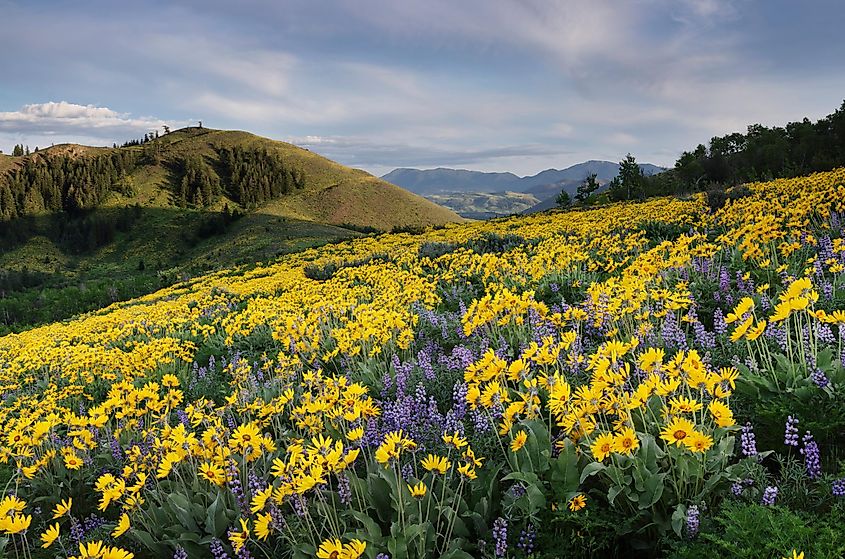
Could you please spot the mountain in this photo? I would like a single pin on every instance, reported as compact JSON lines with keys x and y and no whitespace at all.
{"x":432,"y":181}
{"x":82,"y":227}
{"x":450,"y":187}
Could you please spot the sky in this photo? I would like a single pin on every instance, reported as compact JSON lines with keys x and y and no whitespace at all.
{"x":492,"y":85}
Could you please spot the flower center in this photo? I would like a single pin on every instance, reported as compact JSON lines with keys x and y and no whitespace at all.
{"x":680,"y":434}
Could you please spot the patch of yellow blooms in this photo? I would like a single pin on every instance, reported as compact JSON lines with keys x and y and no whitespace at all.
{"x":127,"y":364}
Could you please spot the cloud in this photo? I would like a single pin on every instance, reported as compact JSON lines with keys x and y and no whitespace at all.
{"x":487,"y":83}
{"x":362,"y":152}
{"x":42,"y":123}
{"x":56,"y":117}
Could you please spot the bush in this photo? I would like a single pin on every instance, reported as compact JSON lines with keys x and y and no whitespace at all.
{"x":326,"y":271}
{"x":751,"y":531}
{"x":718,"y":196}
{"x":434,"y":250}
{"x":495,"y":243}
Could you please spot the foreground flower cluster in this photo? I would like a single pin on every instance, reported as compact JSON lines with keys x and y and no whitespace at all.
{"x":427,"y":395}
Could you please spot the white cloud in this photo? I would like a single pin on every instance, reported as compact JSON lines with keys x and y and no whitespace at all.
{"x":46,"y":123}
{"x":58,"y":117}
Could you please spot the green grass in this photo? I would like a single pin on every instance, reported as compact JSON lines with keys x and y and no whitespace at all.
{"x":161,"y":247}
{"x":334,"y":194}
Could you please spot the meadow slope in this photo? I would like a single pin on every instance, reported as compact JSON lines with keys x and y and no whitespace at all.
{"x":588,"y":377}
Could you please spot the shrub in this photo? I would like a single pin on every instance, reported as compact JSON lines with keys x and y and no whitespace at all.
{"x":751,"y":531}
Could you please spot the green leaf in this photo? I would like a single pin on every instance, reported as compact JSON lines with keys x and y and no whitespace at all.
{"x":397,"y":546}
{"x":372,"y":529}
{"x":146,"y":539}
{"x":457,"y":554}
{"x":591,"y":469}
{"x":525,"y":477}
{"x":564,"y":471}
{"x":679,"y":518}
{"x":614,"y":492}
{"x":182,"y":507}
{"x":216,"y":520}
{"x":379,"y":493}
{"x":653,"y":491}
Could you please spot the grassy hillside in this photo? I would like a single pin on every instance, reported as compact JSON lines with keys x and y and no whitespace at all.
{"x":43,"y":278}
{"x":130,"y":240}
{"x":333,"y":193}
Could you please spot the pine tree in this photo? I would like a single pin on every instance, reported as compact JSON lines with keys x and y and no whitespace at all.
{"x":586,"y":188}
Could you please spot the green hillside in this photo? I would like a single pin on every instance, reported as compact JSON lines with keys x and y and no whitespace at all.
{"x":325,"y":191}
{"x":83,"y":227}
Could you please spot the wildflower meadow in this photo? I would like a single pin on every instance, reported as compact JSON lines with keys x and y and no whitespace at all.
{"x":654,"y":378}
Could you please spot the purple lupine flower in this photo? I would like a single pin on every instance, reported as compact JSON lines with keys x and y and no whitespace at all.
{"x":791,"y":433}
{"x":818,"y":271}
{"x":217,"y":550}
{"x":92,"y":522}
{"x":825,"y":334}
{"x":116,"y":451}
{"x":672,"y":334}
{"x":407,"y":471}
{"x":480,"y":422}
{"x":424,"y":361}
{"x":382,"y":556}
{"x":770,"y":495}
{"x":527,"y":538}
{"x":749,"y":441}
{"x":705,"y":339}
{"x":693,"y":521}
{"x":825,"y":249}
{"x":243,"y":553}
{"x":819,"y":378}
{"x":77,"y":532}
{"x":183,"y":418}
{"x":827,"y":290}
{"x":500,"y":536}
{"x":738,"y":487}
{"x":344,"y":490}
{"x":459,"y":399}
{"x":838,"y":487}
{"x":255,"y":484}
{"x":724,"y":279}
{"x":778,"y":334}
{"x":298,"y":503}
{"x":812,"y":457}
{"x":842,"y":353}
{"x":180,"y":553}
{"x":234,"y":482}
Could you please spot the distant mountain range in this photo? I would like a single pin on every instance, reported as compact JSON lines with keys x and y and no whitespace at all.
{"x":441,"y":183}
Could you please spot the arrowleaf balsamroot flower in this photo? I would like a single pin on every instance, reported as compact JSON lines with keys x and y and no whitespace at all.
{"x":677,"y":430}
{"x":602,"y":447}
{"x":50,"y":535}
{"x":122,"y":526}
{"x":577,"y":502}
{"x":434,"y":463}
{"x":519,"y":441}
{"x":62,"y":508}
{"x":418,"y":491}
{"x":626,"y":441}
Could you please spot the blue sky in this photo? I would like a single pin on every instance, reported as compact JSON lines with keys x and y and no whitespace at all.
{"x":495,"y":85}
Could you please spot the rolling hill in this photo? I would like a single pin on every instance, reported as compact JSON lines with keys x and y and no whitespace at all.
{"x":332,"y":193}
{"x":86,"y":226}
{"x":465,"y":191}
